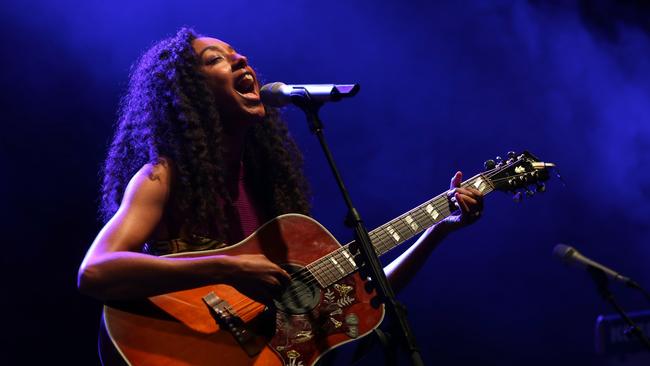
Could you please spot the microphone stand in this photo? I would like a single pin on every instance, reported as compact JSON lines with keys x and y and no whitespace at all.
{"x":600,"y":278}
{"x":353,"y":220}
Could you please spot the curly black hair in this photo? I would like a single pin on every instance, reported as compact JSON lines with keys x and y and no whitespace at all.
{"x":169,"y":112}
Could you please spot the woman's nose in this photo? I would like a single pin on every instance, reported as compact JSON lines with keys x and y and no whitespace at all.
{"x":239,"y":61}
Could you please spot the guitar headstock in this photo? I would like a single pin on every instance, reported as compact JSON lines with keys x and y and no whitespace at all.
{"x":519,"y":174}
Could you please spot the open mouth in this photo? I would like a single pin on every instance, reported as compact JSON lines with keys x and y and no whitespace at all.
{"x":245,"y":86}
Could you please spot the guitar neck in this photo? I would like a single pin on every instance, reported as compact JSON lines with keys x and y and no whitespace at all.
{"x":340,"y":263}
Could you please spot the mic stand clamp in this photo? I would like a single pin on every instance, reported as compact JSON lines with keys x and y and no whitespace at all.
{"x":600,"y":279}
{"x":367,"y":254}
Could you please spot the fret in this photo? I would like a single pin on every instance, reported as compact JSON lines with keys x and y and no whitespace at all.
{"x":433,"y":211}
{"x":349,"y":258}
{"x":332,"y":274}
{"x":344,"y":262}
{"x":442,"y":208}
{"x":411,"y":223}
{"x":382,"y":242}
{"x":328,"y":278}
{"x":311,"y":276}
{"x":336,"y":264}
{"x":423,"y":219}
{"x":326,"y":271}
{"x":393,"y":233}
{"x":404,"y":231}
{"x":375,"y":238}
{"x":316,"y":269}
{"x":480,"y":182}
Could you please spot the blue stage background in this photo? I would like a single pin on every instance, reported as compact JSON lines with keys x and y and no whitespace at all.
{"x":444,"y":86}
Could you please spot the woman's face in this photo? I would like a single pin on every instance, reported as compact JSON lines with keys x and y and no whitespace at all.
{"x":232,"y":81}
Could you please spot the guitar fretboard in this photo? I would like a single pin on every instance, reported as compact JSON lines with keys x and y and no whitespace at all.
{"x":340,"y":263}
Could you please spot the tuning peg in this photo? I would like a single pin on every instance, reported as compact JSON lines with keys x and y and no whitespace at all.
{"x":489,"y":164}
{"x":499,"y":160}
{"x":517,"y":197}
{"x":529,"y":193}
{"x":512,"y":154}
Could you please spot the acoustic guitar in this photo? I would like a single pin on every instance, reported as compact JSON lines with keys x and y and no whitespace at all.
{"x":327,"y":303}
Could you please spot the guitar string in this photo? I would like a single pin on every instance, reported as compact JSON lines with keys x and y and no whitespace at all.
{"x":330,"y":271}
{"x":245,"y":305}
{"x":380,"y":236}
{"x":405,"y":230}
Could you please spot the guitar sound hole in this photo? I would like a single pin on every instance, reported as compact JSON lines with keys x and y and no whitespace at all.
{"x":302,"y":295}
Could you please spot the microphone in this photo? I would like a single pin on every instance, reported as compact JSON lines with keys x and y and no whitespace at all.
{"x":571,"y":256}
{"x":280,"y":94}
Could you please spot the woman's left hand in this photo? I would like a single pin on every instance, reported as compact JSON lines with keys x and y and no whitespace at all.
{"x":468,"y":202}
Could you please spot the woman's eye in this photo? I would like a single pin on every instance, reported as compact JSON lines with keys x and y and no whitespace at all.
{"x":213,"y":60}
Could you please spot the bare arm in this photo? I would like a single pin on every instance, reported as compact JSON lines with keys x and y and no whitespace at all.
{"x":469,"y":202}
{"x":115,"y":269}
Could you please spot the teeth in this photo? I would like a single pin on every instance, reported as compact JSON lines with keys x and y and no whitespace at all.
{"x":245,"y":84}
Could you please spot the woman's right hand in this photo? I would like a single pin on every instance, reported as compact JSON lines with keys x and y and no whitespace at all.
{"x":255,"y":276}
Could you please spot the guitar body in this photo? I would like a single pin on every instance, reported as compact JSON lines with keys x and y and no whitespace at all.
{"x":183,"y":328}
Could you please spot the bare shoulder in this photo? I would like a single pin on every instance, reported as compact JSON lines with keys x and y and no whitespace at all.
{"x":161,"y":170}
{"x":151,"y":184}
{"x":140,"y":215}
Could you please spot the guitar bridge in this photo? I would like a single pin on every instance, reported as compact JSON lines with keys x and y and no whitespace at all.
{"x":228,"y":319}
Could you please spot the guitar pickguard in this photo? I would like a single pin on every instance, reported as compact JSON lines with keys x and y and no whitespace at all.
{"x":301,"y":339}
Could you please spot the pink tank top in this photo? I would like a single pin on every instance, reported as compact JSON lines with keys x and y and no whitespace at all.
{"x":243,"y":218}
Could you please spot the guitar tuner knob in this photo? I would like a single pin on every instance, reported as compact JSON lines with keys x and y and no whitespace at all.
{"x":512,"y":154}
{"x":529,"y":193}
{"x":489,"y":164}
